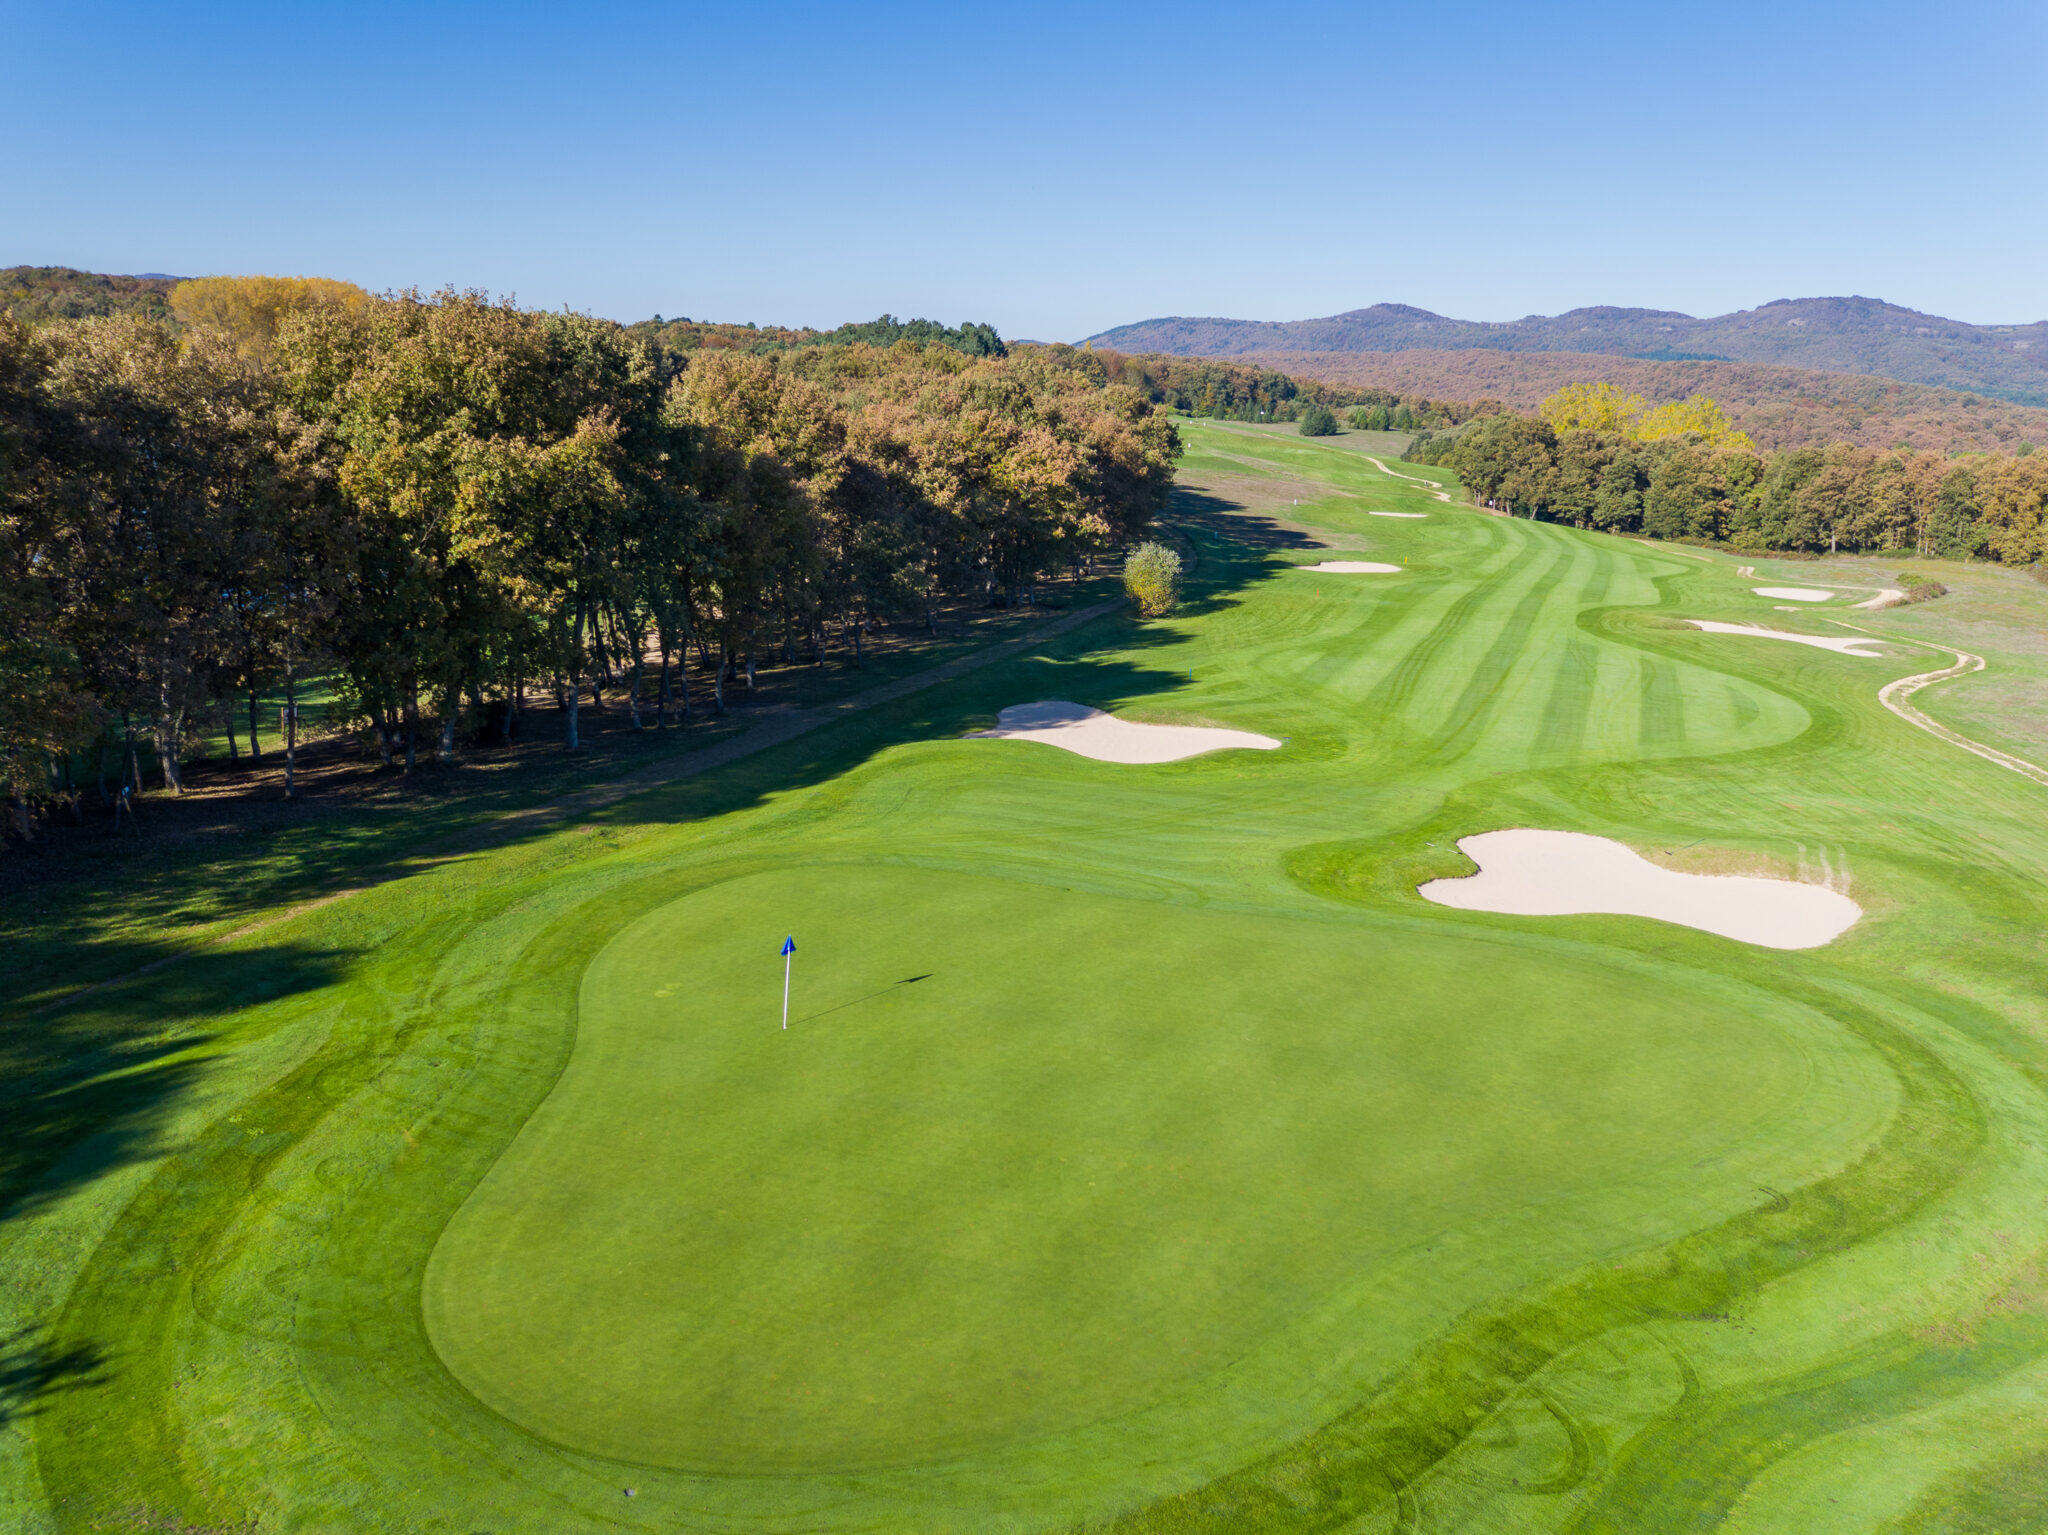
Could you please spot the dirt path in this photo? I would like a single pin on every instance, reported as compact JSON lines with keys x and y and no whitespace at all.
{"x":1435,"y":489}
{"x":770,"y":731}
{"x":1895,"y":696}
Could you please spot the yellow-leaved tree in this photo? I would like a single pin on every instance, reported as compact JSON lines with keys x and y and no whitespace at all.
{"x":249,"y":309}
{"x":1613,"y":413}
{"x":1695,"y":414}
{"x":1593,"y":408}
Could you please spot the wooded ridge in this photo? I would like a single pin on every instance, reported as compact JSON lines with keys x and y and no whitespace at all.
{"x":1779,"y":407}
{"x":1836,"y":335}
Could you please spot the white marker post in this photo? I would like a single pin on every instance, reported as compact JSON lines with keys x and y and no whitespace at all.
{"x":788,"y":953}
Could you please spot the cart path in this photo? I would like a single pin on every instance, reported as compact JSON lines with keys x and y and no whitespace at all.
{"x":1896,"y":697}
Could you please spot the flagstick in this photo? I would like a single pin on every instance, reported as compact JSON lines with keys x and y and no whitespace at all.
{"x":788,"y":958}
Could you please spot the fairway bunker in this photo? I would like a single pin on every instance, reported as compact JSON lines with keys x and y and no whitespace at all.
{"x":1529,"y":873}
{"x":1353,"y":568}
{"x":1793,"y":593}
{"x":1842,"y":645}
{"x":1091,"y":733}
{"x":1398,"y":514}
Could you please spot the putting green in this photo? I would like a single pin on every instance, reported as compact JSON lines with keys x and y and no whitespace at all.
{"x":1027,"y":1159}
{"x":1206,"y":1178}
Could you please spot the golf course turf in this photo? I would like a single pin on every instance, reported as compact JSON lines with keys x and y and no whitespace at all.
{"x":1142,"y":1153}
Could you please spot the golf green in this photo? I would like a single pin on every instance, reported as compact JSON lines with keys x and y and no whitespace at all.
{"x":1027,"y":1159}
{"x":1143,"y":1153}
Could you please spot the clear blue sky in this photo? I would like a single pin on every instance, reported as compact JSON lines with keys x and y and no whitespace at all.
{"x":1051,"y":169}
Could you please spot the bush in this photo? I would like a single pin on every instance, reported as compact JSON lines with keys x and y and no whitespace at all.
{"x":1152,"y":577}
{"x":1319,"y":421}
{"x":1925,"y":591}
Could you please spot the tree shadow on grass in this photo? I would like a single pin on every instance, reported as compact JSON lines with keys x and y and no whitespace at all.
{"x":1228,"y":523}
{"x":87,"y":1081}
{"x":86,"y":1088}
{"x":30,"y":1371}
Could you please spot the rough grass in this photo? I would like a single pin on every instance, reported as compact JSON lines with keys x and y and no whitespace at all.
{"x":1207,"y":1180}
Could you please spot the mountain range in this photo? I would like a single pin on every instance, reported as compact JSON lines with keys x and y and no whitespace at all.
{"x":1836,"y":335}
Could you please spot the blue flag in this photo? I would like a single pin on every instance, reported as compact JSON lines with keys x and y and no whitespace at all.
{"x":789,"y":945}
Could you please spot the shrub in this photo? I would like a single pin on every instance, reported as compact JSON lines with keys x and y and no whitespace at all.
{"x":1319,"y":421}
{"x":1924,"y":591}
{"x":1152,"y":577}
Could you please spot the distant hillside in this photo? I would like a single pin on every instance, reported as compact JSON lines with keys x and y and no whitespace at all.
{"x":39,"y":293}
{"x":1779,"y":407}
{"x":1836,"y":335}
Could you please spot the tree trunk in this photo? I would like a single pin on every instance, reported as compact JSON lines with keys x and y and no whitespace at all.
{"x":750,"y":674}
{"x":718,"y":686}
{"x":229,"y":720}
{"x":412,"y":732}
{"x":291,"y":732}
{"x":661,"y":698}
{"x":167,"y":729}
{"x":859,"y":656}
{"x":633,"y":688}
{"x":573,"y":741}
{"x":255,"y":742}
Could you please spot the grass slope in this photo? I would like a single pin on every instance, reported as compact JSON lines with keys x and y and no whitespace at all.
{"x":1207,"y":1179}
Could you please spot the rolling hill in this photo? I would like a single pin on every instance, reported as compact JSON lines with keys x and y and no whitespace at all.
{"x":1835,"y":335}
{"x":1779,"y":407}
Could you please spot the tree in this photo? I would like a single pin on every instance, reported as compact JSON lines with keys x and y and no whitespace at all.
{"x":249,"y":310}
{"x":1318,"y":421}
{"x":1599,"y":408}
{"x":1696,"y":416}
{"x":1152,"y":577}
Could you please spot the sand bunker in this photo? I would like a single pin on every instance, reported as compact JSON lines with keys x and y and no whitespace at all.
{"x":1091,"y":733}
{"x":1399,"y":514}
{"x":1793,"y":593}
{"x":1352,"y":567}
{"x":1568,"y":873}
{"x":1846,"y":645}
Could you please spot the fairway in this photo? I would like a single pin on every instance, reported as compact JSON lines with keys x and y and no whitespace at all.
{"x":1143,"y":1152}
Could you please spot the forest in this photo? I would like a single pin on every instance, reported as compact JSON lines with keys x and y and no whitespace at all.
{"x":1200,"y":386}
{"x":1596,"y":458}
{"x":437,"y":502}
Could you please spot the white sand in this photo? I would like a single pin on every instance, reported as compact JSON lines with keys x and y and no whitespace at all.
{"x":1091,"y":733}
{"x":1566,"y":873}
{"x":1845,"y":645}
{"x":1793,"y":593}
{"x":1398,"y":514}
{"x":1353,"y":567}
{"x":1887,"y":597}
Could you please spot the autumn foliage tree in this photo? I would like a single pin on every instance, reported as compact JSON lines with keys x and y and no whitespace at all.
{"x":440,"y":501}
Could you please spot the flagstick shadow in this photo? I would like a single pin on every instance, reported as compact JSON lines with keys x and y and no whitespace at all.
{"x":908,"y":980}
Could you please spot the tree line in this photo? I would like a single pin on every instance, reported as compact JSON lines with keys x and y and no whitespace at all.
{"x":438,"y":502}
{"x":1199,"y":386}
{"x":1597,"y":459}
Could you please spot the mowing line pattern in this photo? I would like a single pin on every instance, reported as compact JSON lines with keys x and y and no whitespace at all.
{"x":1203,"y":1179}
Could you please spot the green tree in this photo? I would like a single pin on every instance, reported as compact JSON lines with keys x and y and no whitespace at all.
{"x":1152,"y":577}
{"x":1318,"y":421}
